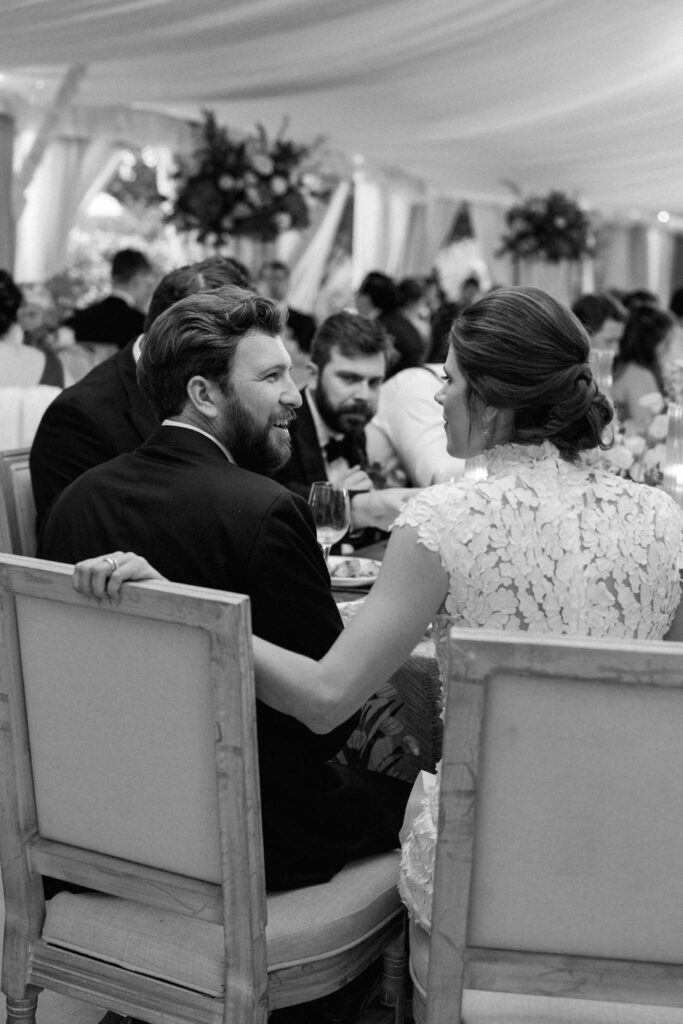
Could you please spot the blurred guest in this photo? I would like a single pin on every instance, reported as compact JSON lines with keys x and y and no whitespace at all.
{"x":22,"y":365}
{"x":274,"y":284}
{"x":603,"y":317}
{"x":121,"y":315}
{"x":676,"y":349}
{"x":106,"y":413}
{"x":348,"y":362}
{"x":638,"y":369}
{"x":412,"y":303}
{"x":39,"y":317}
{"x":470,"y":291}
{"x":406,"y":436}
{"x":639,"y":297}
{"x":377,"y":299}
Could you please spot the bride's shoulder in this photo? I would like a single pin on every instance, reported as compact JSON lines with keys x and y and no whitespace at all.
{"x":445,"y":503}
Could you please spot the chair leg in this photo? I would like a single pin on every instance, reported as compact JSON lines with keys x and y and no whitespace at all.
{"x":23,"y":1011}
{"x":394,"y":975}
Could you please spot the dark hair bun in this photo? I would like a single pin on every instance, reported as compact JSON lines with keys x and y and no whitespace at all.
{"x":574,"y":418}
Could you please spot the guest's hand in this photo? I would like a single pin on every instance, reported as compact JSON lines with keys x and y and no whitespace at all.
{"x":102,"y":577}
{"x":379,"y":508}
{"x":356,"y":479}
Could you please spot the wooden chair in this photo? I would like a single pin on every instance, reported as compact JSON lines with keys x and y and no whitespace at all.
{"x":17,"y":507}
{"x":560,"y":843}
{"x":128,"y":746}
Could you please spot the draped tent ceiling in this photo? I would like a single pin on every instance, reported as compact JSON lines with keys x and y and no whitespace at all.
{"x":465,"y":95}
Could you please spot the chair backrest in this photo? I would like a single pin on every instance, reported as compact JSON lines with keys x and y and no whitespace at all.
{"x":558,"y":867}
{"x":21,"y":410}
{"x":17,"y":507}
{"x":131,"y":730}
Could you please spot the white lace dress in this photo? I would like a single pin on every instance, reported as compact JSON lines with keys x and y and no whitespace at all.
{"x":547,"y":546}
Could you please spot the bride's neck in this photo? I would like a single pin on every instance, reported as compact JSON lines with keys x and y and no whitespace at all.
{"x":14,"y":335}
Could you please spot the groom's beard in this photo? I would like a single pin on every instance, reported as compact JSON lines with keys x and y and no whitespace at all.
{"x":260,"y":448}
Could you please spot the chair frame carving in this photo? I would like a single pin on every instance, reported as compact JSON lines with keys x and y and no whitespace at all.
{"x":29,"y":963}
{"x":477,"y":659}
{"x":16,"y":536}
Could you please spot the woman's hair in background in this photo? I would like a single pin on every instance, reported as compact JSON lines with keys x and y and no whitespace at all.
{"x":410,"y":290}
{"x":521,"y":350}
{"x":10,"y":300}
{"x":647,"y":326}
{"x":442,"y":322}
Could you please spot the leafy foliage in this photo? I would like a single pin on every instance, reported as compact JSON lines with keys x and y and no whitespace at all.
{"x":245,"y":185}
{"x":552,"y":228}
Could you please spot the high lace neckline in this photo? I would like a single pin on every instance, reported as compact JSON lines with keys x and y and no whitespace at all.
{"x":502,"y":455}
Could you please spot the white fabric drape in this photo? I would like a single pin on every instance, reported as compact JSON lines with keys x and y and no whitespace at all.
{"x":71,"y":171}
{"x":462,"y":96}
{"x":6,"y":219}
{"x":75,"y":166}
{"x":308,"y":272}
{"x":488,"y":224}
{"x":459,"y":94}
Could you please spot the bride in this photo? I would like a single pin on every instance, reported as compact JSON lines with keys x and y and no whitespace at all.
{"x":549,"y":542}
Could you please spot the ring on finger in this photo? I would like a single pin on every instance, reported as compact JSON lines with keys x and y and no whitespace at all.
{"x":112,"y":562}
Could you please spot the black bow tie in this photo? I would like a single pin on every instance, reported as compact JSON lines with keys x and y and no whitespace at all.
{"x":341,"y":448}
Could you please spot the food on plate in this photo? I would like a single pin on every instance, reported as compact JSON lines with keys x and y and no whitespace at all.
{"x":353,"y":568}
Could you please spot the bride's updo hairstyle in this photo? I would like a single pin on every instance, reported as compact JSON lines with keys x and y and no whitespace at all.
{"x":520,"y":350}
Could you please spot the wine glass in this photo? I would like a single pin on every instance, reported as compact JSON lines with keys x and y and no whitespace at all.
{"x":330,"y":505}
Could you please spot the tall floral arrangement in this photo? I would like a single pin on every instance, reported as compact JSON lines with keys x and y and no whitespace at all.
{"x":552,"y":228}
{"x":246,"y":185}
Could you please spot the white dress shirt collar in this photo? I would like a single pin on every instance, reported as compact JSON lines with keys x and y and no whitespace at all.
{"x":198,"y":430}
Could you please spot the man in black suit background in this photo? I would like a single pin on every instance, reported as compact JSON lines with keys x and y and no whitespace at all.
{"x":120,"y":316}
{"x":347,"y":367}
{"x":105,"y":413}
{"x":196,"y":501}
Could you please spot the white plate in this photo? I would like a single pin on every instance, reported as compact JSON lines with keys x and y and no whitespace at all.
{"x":368,"y":567}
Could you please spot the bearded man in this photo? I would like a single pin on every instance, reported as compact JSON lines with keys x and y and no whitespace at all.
{"x":347,"y":368}
{"x":195,"y":501}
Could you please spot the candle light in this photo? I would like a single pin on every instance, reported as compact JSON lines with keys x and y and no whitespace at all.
{"x":672,"y":469}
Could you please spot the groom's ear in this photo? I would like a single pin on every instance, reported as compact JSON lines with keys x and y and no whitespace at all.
{"x":203,"y":394}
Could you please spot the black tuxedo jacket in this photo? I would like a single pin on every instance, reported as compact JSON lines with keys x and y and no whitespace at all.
{"x":199,"y":519}
{"x":100,"y":416}
{"x":111,"y":321}
{"x":307,"y":464}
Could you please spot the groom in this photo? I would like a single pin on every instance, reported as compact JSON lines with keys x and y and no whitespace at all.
{"x":196,"y":501}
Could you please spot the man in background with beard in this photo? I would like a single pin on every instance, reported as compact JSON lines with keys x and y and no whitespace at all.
{"x":348,"y":365}
{"x":196,"y":501}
